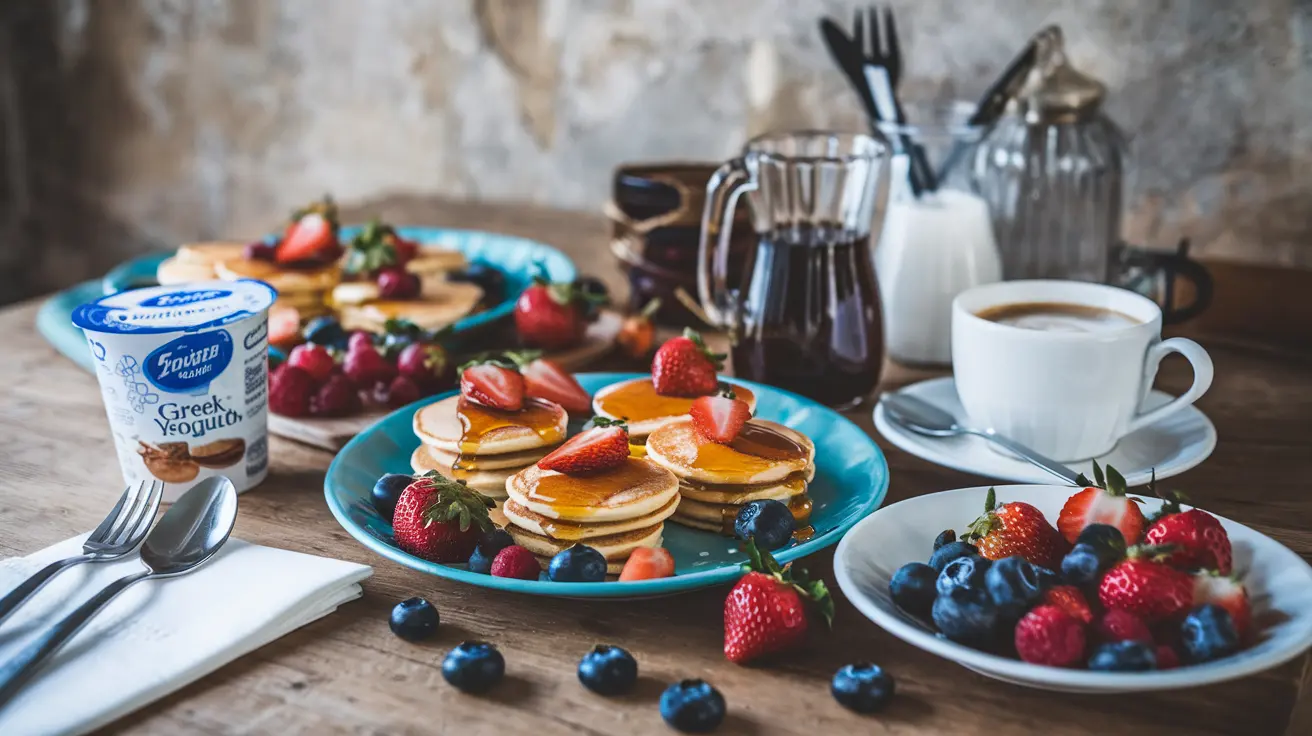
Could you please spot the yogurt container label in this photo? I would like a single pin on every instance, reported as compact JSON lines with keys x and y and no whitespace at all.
{"x":183,"y":371}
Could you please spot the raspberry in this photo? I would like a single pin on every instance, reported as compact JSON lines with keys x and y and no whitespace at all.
{"x":516,"y":562}
{"x":402,"y":391}
{"x":1167,"y":659}
{"x":290,"y":389}
{"x":336,"y":397}
{"x":1048,"y":635}
{"x":313,"y":359}
{"x":259,"y":251}
{"x":397,"y":283}
{"x":1117,"y":625}
{"x":367,"y":367}
{"x":1069,"y":599}
{"x":359,"y":341}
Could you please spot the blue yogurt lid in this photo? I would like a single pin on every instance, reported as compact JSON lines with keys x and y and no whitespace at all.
{"x":178,"y":308}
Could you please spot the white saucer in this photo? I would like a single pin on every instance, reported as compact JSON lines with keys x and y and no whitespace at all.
{"x":1171,"y":446}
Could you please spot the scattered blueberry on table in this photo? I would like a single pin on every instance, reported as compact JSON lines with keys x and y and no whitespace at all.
{"x":608,"y":670}
{"x":577,"y":564}
{"x":473,"y":667}
{"x":414,"y":619}
{"x":692,"y":706}
{"x":862,"y":687}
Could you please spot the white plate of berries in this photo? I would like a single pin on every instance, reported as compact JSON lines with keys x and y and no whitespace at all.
{"x":1081,"y":590}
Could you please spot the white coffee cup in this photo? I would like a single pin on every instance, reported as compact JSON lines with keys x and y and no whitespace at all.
{"x":1069,"y":395}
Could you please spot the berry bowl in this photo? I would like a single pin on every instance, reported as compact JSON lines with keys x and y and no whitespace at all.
{"x":1278,"y":581}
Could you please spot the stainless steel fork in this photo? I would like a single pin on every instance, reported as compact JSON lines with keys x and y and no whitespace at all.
{"x":120,"y":533}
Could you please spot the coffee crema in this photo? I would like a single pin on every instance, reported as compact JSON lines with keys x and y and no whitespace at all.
{"x":1057,"y":317}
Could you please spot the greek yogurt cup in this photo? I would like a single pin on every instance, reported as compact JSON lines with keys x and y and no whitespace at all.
{"x":184,"y":374}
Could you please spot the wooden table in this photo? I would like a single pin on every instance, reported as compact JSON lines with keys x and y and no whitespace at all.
{"x":348,"y":673}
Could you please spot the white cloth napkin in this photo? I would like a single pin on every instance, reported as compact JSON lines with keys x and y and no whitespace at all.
{"x":160,"y":634}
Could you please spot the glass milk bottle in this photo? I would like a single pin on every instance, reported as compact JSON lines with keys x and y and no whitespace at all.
{"x":937,"y":239}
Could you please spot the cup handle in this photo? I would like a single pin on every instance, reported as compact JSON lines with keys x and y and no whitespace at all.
{"x":1202,"y":365}
{"x":722,"y":192}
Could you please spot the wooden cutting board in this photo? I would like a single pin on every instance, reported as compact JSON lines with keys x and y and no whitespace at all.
{"x":332,"y":434}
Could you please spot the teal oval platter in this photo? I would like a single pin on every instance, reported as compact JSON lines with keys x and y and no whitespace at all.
{"x":515,"y":257}
{"x":851,"y":481}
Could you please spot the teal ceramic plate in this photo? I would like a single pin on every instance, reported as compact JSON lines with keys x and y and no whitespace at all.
{"x":513,"y":256}
{"x":851,"y":480}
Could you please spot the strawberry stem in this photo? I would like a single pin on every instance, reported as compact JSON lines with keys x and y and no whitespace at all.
{"x":452,"y":500}
{"x":650,"y":309}
{"x":815,"y":591}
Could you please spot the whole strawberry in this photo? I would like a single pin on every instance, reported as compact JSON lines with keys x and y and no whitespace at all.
{"x":552,"y":316}
{"x":1016,"y":528}
{"x":1104,"y":502}
{"x":1146,"y":587}
{"x":440,"y":519}
{"x":311,"y":237}
{"x":1228,"y":593}
{"x":765,"y":612}
{"x":684,"y":366}
{"x":1197,"y":539}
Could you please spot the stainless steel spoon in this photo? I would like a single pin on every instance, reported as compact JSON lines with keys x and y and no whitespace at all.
{"x":924,"y":418}
{"x":187,"y":535}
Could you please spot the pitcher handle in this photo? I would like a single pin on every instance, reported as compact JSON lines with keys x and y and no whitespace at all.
{"x":722,"y":192}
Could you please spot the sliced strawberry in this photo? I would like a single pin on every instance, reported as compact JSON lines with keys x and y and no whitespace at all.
{"x":1228,"y":593}
{"x":719,"y":418}
{"x":1103,"y":503}
{"x":596,"y":449}
{"x":493,"y":385}
{"x":311,"y":236}
{"x":284,"y":326}
{"x":544,"y":379}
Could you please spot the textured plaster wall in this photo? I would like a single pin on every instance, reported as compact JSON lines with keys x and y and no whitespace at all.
{"x":130,"y":124}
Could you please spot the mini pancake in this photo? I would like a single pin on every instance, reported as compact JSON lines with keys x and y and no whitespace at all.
{"x":509,"y":460}
{"x":793,"y":485}
{"x":614,"y":547}
{"x":438,"y":425}
{"x":646,"y":410}
{"x":490,"y":483}
{"x":175,"y":271}
{"x":303,"y":301}
{"x":629,"y":491}
{"x":763,"y":452}
{"x":441,"y":303}
{"x":432,"y":260}
{"x":210,"y":253}
{"x":283,"y":279}
{"x":714,"y":516}
{"x":529,"y":520}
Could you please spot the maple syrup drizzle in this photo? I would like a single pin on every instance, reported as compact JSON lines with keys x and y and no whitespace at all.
{"x":795,"y":482}
{"x":578,"y":495}
{"x":477,"y":421}
{"x":756,"y":448}
{"x":638,"y":401}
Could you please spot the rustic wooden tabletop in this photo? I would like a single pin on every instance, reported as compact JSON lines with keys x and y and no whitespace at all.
{"x":348,"y":674}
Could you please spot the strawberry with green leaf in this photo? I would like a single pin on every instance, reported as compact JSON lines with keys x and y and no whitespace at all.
{"x":1103,"y":502}
{"x":767,"y":610}
{"x":440,"y":519}
{"x":553,"y":315}
{"x":1016,"y":528}
{"x":1197,"y":538}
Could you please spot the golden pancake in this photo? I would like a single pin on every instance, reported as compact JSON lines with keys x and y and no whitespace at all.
{"x":645,"y":410}
{"x":440,"y":304}
{"x":509,"y":460}
{"x":303,"y":300}
{"x":175,"y":271}
{"x":763,"y":452}
{"x":614,"y":547}
{"x":283,"y":279}
{"x":793,"y":485}
{"x":210,"y":253}
{"x":491,"y":432}
{"x":490,"y":483}
{"x":530,"y":520}
{"x":629,"y":491}
{"x":432,"y":260}
{"x":719,"y":517}
{"x":354,"y":292}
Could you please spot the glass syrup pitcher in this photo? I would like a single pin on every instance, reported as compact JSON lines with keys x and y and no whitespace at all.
{"x":806,"y":316}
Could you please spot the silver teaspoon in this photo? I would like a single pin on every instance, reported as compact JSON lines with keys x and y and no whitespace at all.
{"x":924,"y":418}
{"x":188,"y":534}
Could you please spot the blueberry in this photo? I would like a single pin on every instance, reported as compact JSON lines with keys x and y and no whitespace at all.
{"x":947,"y":536}
{"x":770,"y":522}
{"x":1047,"y":578}
{"x":578,"y":564}
{"x":276,"y":357}
{"x":1208,"y":633}
{"x":1080,"y":566}
{"x":1013,"y":585}
{"x":489,"y":279}
{"x":692,"y":706}
{"x":912,"y":588}
{"x":863,"y":687}
{"x":1107,"y":542}
{"x":949,"y":552}
{"x":486,"y":550}
{"x":966,"y":615}
{"x":386,"y":492}
{"x":326,"y":331}
{"x":1124,"y":656}
{"x":473,"y":667}
{"x":414,"y":619}
{"x":608,"y":670}
{"x":963,"y":572}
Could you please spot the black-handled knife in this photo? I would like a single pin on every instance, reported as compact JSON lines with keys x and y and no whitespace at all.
{"x":847,"y":55}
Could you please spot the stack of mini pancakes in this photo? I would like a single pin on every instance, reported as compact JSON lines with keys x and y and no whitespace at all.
{"x":766,"y":461}
{"x":306,"y":289}
{"x":484,"y":447}
{"x":614,"y":511}
{"x":643,"y":410}
{"x":440,"y":303}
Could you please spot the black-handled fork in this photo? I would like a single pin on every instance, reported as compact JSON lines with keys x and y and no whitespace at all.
{"x":882,"y":54}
